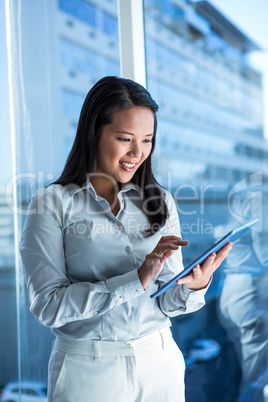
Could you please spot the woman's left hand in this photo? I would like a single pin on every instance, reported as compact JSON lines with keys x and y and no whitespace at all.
{"x":200,"y":276}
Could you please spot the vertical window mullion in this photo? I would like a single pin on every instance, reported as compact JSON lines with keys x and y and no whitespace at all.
{"x":131,"y":40}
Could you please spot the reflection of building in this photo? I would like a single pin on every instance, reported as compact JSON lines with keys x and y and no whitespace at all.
{"x":210,"y":133}
{"x":211,"y":100}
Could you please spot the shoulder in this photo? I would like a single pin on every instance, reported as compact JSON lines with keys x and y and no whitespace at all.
{"x":169,"y":200}
{"x":54,"y":198}
{"x":167,"y":194}
{"x":47,"y":194}
{"x":171,"y":206}
{"x":57,"y":191}
{"x":172,"y":225}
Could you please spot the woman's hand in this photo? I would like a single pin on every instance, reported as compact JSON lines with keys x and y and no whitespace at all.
{"x":200,"y":275}
{"x":166,"y":246}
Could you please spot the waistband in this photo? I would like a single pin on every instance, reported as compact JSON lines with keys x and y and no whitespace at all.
{"x":97,"y":348}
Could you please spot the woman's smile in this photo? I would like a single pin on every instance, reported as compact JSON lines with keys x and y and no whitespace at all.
{"x":129,"y":167}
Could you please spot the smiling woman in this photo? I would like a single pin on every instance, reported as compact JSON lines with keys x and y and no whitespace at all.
{"x":96,"y":244}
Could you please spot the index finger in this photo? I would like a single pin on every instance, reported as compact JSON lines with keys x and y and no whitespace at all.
{"x":174,"y":239}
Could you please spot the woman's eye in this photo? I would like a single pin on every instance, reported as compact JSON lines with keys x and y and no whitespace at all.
{"x":128,"y":140}
{"x":124,"y":139}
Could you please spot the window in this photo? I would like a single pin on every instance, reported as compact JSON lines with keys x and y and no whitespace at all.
{"x":80,"y":9}
{"x":210,"y":139}
{"x":206,"y":114}
{"x":109,"y":25}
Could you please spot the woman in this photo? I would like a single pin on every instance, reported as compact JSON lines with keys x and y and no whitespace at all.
{"x":96,"y":244}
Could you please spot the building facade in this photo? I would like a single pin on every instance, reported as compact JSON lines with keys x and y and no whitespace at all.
{"x":211,"y":99}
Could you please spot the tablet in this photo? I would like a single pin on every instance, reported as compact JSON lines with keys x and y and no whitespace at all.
{"x":230,"y":237}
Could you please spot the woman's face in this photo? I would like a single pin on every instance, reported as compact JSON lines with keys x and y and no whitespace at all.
{"x":125,"y":143}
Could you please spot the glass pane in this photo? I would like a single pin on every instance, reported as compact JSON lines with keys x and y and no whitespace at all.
{"x":58,"y":50}
{"x":8,"y":322}
{"x":212,"y":154}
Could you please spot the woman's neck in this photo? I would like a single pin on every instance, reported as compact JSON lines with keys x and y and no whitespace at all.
{"x":105,"y":187}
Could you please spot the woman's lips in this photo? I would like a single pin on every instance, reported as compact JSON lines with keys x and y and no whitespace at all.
{"x":128,"y":167}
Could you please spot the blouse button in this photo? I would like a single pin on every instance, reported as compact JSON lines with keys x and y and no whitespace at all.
{"x":95,"y":313}
{"x":127,"y":249}
{"x":119,"y":227}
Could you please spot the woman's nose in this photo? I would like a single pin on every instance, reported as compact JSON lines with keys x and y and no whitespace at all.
{"x":136,"y":149}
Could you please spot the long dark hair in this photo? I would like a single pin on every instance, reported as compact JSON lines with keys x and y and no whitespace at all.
{"x":108,"y":95}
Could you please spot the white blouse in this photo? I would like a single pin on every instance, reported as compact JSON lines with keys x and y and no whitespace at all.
{"x":81,"y":264}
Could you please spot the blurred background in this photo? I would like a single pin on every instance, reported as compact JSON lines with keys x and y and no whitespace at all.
{"x":207,"y":68}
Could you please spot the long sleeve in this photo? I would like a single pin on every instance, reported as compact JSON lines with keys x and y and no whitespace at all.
{"x":54,"y":300}
{"x":179,"y":299}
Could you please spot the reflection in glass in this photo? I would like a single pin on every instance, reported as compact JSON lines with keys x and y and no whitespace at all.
{"x":210,"y":137}
{"x":243,"y":299}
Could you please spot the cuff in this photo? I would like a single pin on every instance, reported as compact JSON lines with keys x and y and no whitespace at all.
{"x":188,"y":294}
{"x":125,"y":287}
{"x":181,"y":300}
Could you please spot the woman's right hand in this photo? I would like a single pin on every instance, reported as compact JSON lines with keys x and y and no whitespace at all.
{"x":166,"y":246}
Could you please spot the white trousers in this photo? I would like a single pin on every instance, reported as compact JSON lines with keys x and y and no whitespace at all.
{"x":149,"y":369}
